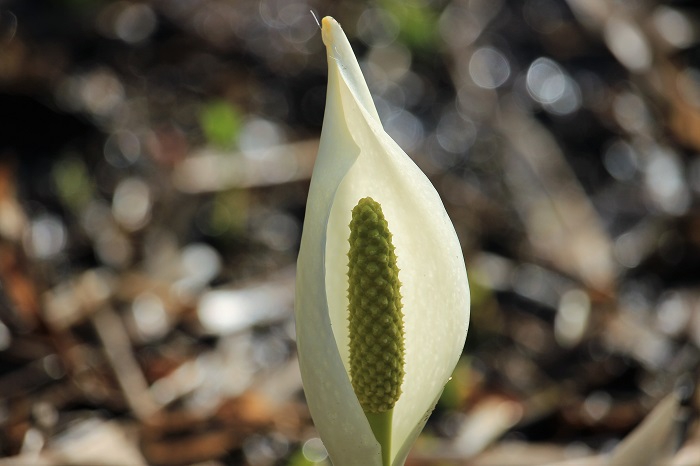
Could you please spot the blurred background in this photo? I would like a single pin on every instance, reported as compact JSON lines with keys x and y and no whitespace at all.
{"x":154,"y":165}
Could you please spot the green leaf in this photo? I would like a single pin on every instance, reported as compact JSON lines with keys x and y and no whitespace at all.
{"x":457,"y":389}
{"x":221,"y":123}
{"x":72,"y":182}
{"x":417,"y":21}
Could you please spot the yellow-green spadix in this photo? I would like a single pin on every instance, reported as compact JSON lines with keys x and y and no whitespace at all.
{"x":357,"y":160}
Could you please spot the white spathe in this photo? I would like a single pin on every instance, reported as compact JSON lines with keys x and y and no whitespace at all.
{"x":356,"y":159}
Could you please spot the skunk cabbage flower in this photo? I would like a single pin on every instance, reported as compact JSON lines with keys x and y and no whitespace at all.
{"x":357,"y":160}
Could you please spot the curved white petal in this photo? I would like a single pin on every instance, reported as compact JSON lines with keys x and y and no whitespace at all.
{"x":357,"y":159}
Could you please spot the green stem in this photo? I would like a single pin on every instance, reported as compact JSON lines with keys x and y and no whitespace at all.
{"x":381,"y":427}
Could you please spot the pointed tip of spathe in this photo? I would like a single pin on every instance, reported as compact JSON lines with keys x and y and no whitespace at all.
{"x":329,"y":27}
{"x":327,"y":21}
{"x":343,"y":60}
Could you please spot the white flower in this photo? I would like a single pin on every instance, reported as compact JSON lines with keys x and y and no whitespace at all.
{"x":357,"y":159}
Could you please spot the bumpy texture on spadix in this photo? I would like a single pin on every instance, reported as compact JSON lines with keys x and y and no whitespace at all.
{"x":374,"y":313}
